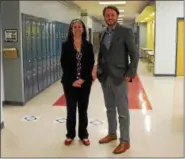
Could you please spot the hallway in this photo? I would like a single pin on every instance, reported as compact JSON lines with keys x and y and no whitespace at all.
{"x":156,"y":129}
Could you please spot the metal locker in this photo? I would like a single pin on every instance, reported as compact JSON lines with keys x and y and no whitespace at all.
{"x":59,"y":48}
{"x":54,"y":52}
{"x":51,"y":52}
{"x":44,"y":55}
{"x":34,"y":53}
{"x":62,"y":40}
{"x":48,"y":54}
{"x":64,"y":32}
{"x":24,"y":55}
{"x":39,"y":56}
{"x":29,"y":59}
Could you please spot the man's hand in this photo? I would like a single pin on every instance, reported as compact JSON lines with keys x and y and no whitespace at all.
{"x":127,"y":79}
{"x":94,"y":72}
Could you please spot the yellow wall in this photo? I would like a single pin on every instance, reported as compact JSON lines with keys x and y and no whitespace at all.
{"x":150,"y":34}
{"x":180,"y":48}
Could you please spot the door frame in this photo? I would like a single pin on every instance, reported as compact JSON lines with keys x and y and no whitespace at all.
{"x":177,"y":21}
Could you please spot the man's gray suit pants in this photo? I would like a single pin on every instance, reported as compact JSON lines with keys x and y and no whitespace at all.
{"x":116,"y":101}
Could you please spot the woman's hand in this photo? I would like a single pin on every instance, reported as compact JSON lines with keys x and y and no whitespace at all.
{"x":78,"y":83}
{"x":75,"y":84}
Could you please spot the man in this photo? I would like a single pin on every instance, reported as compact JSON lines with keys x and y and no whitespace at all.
{"x":114,"y":71}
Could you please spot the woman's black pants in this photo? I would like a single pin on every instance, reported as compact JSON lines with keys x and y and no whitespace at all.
{"x":77,"y":98}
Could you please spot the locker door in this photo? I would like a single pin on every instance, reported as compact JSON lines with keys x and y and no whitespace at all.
{"x":59,"y":50}
{"x":48,"y":54}
{"x":35,"y":60}
{"x":24,"y":51}
{"x":64,"y":27}
{"x":29,"y":60}
{"x":51,"y":52}
{"x":62,"y":40}
{"x":44,"y":55}
{"x":39,"y":57}
{"x":54,"y":52}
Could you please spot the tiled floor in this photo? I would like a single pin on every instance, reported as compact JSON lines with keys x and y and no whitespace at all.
{"x":154,"y":133}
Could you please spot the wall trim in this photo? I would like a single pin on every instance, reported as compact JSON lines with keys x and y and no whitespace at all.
{"x":13,"y":103}
{"x":2,"y":125}
{"x":176,"y":54}
{"x":155,"y":38}
{"x":164,"y":75}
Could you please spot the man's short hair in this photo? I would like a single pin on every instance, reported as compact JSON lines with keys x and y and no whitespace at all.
{"x":111,"y":7}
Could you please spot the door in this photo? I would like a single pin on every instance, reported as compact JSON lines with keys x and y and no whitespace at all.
{"x":90,"y":34}
{"x":180,"y":47}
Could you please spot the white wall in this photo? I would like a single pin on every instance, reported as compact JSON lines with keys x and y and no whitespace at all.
{"x":2,"y":77}
{"x":97,"y":26}
{"x":51,"y":10}
{"x":89,"y":22}
{"x":167,"y":13}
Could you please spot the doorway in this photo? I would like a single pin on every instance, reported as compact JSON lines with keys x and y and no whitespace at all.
{"x":180,"y":47}
{"x":90,"y":34}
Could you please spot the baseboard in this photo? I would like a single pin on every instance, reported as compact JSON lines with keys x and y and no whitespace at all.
{"x":13,"y":103}
{"x":164,"y":75}
{"x":2,"y":125}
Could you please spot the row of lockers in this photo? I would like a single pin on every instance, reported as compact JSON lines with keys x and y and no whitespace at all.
{"x":41,"y":42}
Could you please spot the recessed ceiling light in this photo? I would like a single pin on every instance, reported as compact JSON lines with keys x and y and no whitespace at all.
{"x":112,"y":2}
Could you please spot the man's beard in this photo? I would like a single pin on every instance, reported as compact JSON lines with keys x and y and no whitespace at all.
{"x":111,"y":24}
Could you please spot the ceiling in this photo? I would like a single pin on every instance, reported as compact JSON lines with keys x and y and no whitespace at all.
{"x":131,"y":8}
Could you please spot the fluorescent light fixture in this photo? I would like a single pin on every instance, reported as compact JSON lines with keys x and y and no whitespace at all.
{"x":112,"y":2}
{"x":152,"y":14}
{"x":120,"y":16}
{"x":121,"y":10}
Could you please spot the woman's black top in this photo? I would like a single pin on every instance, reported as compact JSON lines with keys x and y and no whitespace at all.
{"x":77,"y":65}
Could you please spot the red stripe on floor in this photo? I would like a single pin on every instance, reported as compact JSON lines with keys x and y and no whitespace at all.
{"x":136,"y":95}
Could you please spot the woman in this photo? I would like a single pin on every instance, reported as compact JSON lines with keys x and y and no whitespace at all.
{"x":77,"y":61}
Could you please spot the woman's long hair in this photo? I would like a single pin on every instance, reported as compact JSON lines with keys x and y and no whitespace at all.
{"x":70,"y":33}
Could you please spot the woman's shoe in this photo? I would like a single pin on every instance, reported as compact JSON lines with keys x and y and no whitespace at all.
{"x":86,"y":142}
{"x":68,"y":141}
